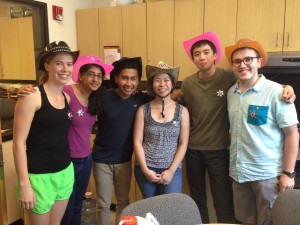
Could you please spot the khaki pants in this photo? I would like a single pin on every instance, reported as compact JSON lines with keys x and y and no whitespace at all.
{"x":107,"y":176}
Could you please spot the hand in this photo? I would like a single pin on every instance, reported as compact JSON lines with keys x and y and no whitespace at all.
{"x":27,"y":197}
{"x":288,"y":94}
{"x":166,"y":177}
{"x":25,"y":90}
{"x":286,"y":183}
{"x":152,"y":176}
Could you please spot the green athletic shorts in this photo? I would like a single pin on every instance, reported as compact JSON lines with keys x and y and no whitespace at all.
{"x":51,"y":187}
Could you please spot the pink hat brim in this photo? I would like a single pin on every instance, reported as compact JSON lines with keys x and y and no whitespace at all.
{"x":209,"y":36}
{"x":92,"y":59}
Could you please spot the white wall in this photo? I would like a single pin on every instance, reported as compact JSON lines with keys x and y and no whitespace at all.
{"x":65,"y":30}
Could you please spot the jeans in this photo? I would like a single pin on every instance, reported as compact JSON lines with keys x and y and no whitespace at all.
{"x":107,"y":176}
{"x":82,"y":169}
{"x":149,"y":189}
{"x":216,"y":162}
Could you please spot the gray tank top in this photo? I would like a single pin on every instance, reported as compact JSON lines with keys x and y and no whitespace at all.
{"x":161,"y":139}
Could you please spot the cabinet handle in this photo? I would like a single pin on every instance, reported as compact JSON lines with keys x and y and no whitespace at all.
{"x":288,"y":40}
{"x":277,"y":38}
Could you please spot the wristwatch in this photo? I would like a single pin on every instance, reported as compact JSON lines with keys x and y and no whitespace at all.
{"x":289,"y":174}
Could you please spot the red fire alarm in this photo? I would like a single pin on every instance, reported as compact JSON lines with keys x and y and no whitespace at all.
{"x":57,"y":13}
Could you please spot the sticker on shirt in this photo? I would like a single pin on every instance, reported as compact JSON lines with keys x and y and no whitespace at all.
{"x":257,"y":115}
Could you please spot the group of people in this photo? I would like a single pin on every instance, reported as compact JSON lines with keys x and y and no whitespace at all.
{"x":235,"y":124}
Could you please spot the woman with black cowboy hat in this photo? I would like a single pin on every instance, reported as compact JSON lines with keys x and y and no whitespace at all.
{"x":88,"y":74}
{"x":161,"y":132}
{"x":41,"y":148}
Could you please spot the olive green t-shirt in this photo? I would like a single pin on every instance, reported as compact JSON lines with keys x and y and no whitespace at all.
{"x":206,"y":100}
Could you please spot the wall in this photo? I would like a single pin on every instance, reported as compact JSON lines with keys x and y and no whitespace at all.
{"x":65,"y":30}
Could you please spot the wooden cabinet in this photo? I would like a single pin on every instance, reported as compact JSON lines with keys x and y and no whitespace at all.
{"x":160,"y":28}
{"x":216,"y":13}
{"x":262,"y":21}
{"x":188,"y":23}
{"x":110,"y":27}
{"x":292,"y":27}
{"x":88,"y":31}
{"x":17,"y":60}
{"x":134,"y":32}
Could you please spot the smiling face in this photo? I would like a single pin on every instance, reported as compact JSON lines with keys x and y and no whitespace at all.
{"x":60,"y":67}
{"x":162,"y":84}
{"x":204,"y":58}
{"x":245,"y":65}
{"x":127,"y":81}
{"x":92,"y":78}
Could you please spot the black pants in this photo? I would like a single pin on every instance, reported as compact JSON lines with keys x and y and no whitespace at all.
{"x":216,"y":162}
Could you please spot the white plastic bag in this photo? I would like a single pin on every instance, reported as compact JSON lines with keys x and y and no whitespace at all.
{"x":148,"y":220}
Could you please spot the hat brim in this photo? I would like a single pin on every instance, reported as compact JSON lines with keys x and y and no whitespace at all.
{"x":154,"y":70}
{"x":247,"y":44}
{"x":43,"y":55}
{"x":85,"y":60}
{"x":209,"y":36}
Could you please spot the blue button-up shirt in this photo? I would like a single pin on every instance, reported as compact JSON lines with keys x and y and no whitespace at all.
{"x":256,"y":118}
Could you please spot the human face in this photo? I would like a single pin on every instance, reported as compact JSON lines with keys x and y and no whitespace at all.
{"x":60,"y":68}
{"x":204,"y":58}
{"x":92,"y":79}
{"x":162,"y":84}
{"x":246,"y":73}
{"x":128,"y":81}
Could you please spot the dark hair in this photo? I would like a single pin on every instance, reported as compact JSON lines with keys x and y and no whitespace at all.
{"x":201,"y":43}
{"x":150,"y":82}
{"x":125,"y":63}
{"x":95,"y":101}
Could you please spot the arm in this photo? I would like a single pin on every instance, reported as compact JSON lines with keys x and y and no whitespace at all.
{"x":288,"y":94}
{"x":24,"y":112}
{"x":25,"y":90}
{"x":291,"y":151}
{"x":138,"y":134}
{"x":167,"y":175}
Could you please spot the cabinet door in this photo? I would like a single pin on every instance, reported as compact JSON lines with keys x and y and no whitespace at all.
{"x":292,"y":27}
{"x":220,"y":17}
{"x":10,"y":49}
{"x":88,"y":31}
{"x":188,"y":23}
{"x":160,"y":28}
{"x":262,"y":21}
{"x":110,"y":28}
{"x":27,"y":58}
{"x":134,"y":32}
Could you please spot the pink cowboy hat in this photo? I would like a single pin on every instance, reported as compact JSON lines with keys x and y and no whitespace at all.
{"x":92,"y":59}
{"x":209,"y":36}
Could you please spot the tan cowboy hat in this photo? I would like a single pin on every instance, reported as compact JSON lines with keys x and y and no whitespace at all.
{"x":247,"y":43}
{"x":162,"y":67}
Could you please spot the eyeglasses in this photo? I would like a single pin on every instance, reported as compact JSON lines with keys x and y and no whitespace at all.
{"x":247,"y":61}
{"x":93,"y":75}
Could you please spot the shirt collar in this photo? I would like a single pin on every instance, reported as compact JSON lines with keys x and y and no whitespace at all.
{"x":257,"y":87}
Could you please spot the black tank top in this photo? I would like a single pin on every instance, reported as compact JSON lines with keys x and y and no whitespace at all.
{"x":47,"y":142}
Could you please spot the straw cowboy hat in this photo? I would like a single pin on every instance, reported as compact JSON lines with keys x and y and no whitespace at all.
{"x":162,"y":67}
{"x":208,"y":36}
{"x":92,"y":59}
{"x":55,"y":47}
{"x":247,"y":43}
{"x":123,"y":63}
